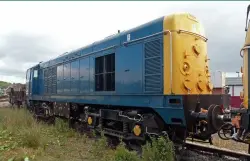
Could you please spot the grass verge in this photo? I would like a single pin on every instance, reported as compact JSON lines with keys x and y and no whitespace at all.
{"x":22,"y":137}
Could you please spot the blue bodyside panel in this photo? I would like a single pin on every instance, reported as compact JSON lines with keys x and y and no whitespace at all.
{"x":123,"y":100}
{"x":138,"y":73}
{"x":172,"y":115}
{"x":158,"y":103}
{"x":129,"y":73}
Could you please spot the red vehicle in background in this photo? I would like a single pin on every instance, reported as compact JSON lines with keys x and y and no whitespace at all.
{"x":230,"y":85}
{"x":235,"y":101}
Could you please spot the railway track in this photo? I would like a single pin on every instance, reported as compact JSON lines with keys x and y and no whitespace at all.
{"x":215,"y":151}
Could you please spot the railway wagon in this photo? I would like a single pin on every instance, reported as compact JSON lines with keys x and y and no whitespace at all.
{"x":244,"y":121}
{"x":16,"y":94}
{"x":149,"y":80}
{"x":239,"y":128}
{"x":244,"y":70}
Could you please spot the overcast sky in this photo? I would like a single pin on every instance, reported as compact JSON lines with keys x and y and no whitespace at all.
{"x":31,"y":32}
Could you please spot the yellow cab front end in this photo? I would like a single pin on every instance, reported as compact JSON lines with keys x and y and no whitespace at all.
{"x":186,"y":74}
{"x":188,"y":67}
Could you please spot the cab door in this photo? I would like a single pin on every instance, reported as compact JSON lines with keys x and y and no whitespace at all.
{"x":34,"y":84}
{"x":28,"y":91}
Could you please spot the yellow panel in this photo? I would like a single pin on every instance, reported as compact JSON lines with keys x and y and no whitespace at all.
{"x":245,"y":70}
{"x":245,"y":79}
{"x":190,"y":74}
{"x":247,"y":41}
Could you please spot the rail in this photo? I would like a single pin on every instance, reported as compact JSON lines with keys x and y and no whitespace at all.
{"x":192,"y":33}
{"x":214,"y":150}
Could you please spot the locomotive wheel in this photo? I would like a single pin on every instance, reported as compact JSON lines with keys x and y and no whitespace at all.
{"x":214,"y":123}
{"x":226,"y":130}
{"x":217,"y":123}
{"x":210,"y":120}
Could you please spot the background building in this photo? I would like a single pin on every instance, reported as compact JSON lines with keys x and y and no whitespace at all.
{"x":235,"y":85}
{"x":218,"y":79}
{"x":221,"y":79}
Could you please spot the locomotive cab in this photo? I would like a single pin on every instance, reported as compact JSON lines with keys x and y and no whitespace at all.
{"x":244,"y":109}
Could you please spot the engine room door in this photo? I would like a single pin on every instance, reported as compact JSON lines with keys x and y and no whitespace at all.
{"x":66,"y":79}
{"x":84,"y":75}
{"x":74,"y":73}
{"x":129,"y":69}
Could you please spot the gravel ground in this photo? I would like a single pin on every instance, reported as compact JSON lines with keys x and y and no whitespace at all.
{"x":193,"y":156}
{"x":227,"y":144}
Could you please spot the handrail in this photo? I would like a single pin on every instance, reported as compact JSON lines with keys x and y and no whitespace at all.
{"x":245,"y":47}
{"x":171,"y":59}
{"x":145,"y":37}
{"x":248,"y":9}
{"x":192,"y":33}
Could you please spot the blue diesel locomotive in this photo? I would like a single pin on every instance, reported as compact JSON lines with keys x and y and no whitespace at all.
{"x":149,"y":80}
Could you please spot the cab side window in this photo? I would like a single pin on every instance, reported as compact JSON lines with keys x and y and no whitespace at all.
{"x":35,"y":74}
